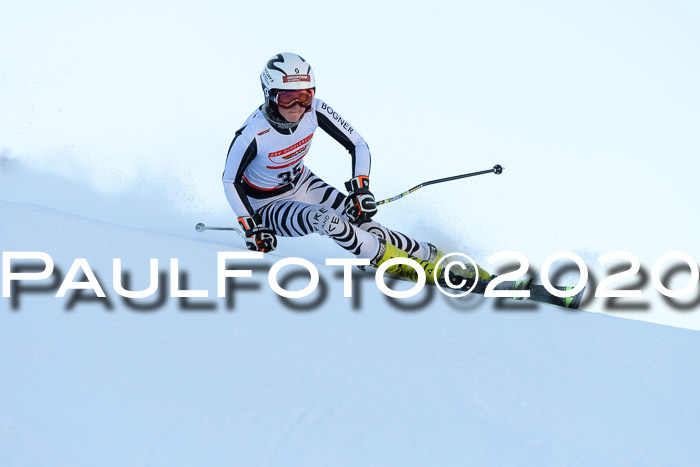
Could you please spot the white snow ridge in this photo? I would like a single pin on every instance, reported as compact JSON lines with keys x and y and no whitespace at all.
{"x":252,"y":381}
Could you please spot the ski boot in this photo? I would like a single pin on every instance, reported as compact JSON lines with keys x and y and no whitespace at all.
{"x":465,"y":273}
{"x":388,"y":251}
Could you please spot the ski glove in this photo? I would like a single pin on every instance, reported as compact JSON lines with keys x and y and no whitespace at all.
{"x":360,"y":204}
{"x":257,"y":236}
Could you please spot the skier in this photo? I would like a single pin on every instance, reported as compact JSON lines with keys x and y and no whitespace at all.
{"x":274,"y":194}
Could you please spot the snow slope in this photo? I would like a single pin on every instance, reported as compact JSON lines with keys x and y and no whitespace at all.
{"x":258,"y":382}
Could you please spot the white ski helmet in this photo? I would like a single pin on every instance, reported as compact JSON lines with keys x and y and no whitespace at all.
{"x":286,"y":71}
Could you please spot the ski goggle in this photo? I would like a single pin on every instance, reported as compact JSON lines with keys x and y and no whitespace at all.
{"x":288,"y":99}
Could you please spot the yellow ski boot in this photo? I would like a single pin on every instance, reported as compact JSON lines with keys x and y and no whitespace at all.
{"x":466,"y":273}
{"x":388,"y":251}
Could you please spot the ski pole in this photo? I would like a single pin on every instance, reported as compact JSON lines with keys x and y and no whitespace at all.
{"x":497,"y":169}
{"x":201,"y":228}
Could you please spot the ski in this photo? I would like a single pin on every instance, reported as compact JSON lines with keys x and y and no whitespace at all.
{"x":538,"y":293}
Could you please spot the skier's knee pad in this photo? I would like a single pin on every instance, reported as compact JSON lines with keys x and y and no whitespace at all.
{"x":326,"y":221}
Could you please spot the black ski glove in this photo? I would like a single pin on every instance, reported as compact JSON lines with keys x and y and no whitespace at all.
{"x":257,"y":236}
{"x":360,"y":204}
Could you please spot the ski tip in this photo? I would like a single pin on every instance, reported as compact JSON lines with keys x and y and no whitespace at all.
{"x":575,"y":301}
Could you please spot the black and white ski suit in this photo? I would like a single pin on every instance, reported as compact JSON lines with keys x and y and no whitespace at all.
{"x":265,"y":174}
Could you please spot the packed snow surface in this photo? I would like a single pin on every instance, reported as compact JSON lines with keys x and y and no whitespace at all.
{"x":252,"y":380}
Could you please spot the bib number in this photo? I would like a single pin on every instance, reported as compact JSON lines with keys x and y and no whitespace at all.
{"x":287,"y":177}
